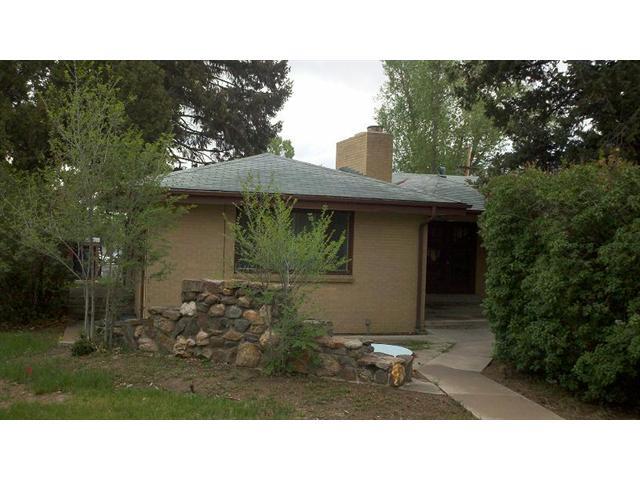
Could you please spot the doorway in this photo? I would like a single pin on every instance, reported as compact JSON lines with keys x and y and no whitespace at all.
{"x":451,"y":257}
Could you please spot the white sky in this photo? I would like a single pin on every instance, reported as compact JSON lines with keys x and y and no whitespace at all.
{"x":330,"y":101}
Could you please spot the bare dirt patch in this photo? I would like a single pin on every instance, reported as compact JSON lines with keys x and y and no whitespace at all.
{"x":310,"y":397}
{"x":14,"y":392}
{"x":554,"y":397}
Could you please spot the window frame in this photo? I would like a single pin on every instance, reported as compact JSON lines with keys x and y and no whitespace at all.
{"x":348,"y":238}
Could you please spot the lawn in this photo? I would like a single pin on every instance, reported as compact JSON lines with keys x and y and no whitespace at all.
{"x":41,"y":380}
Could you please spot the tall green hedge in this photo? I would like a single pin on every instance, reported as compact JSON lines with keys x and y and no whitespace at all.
{"x":563,"y":276}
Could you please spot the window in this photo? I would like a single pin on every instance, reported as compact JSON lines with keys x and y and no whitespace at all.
{"x":341,"y":222}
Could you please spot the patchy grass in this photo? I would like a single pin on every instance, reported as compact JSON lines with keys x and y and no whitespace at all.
{"x":14,"y":344}
{"x":145,"y":404}
{"x":41,"y":380}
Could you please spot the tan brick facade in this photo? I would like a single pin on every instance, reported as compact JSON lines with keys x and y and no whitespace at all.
{"x":382,"y":290}
{"x":369,"y":153}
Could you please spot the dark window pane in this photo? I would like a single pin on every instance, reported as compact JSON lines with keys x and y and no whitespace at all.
{"x":301,"y":220}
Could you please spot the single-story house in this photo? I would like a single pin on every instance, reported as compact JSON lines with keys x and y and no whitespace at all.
{"x":407,"y":235}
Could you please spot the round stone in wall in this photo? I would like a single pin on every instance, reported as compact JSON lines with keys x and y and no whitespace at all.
{"x":233,"y":311}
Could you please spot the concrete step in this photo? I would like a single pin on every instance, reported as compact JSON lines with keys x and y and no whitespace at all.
{"x":456,"y":323}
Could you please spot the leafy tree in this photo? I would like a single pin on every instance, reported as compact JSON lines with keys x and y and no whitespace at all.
{"x":281,"y":147}
{"x":557,"y":111}
{"x":214,"y":110}
{"x":420,"y":107}
{"x":275,"y":253}
{"x":103,"y":184}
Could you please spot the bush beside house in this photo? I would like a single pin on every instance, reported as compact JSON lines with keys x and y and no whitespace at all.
{"x":563,"y":276}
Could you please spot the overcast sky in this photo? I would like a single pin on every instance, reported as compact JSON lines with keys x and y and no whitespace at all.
{"x":331,"y":101}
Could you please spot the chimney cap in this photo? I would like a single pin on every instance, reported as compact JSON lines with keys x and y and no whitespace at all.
{"x":374,"y":128}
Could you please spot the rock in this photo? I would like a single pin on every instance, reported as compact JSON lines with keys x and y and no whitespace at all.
{"x":258,"y":329}
{"x":268,"y":339}
{"x":180,"y":347}
{"x":228,"y":291}
{"x":232,"y":336}
{"x":172,"y":314}
{"x":188,"y":296}
{"x":233,"y":311}
{"x":397,"y":375}
{"x":301,"y":364}
{"x":330,"y":367}
{"x":192,"y":286}
{"x":265,"y":314}
{"x":383,"y":362}
{"x":212,"y":286}
{"x":146,"y":344}
{"x":188,"y":309}
{"x":164,"y":342}
{"x":250,"y":337}
{"x":244,"y":302}
{"x":353,"y":344}
{"x":138,"y":332}
{"x":206,"y":353}
{"x":202,"y":307}
{"x":241,"y":324}
{"x":381,"y":377}
{"x":365,"y":374}
{"x":191,"y":342}
{"x":217,"y":310}
{"x":248,"y":355}
{"x":227,"y":355}
{"x":216,"y":342}
{"x":202,"y":338}
{"x":164,"y":324}
{"x":408,"y":367}
{"x":186,"y":326}
{"x":252,"y":316}
{"x":211,"y":298}
{"x":348,"y":373}
{"x":228,"y":300}
{"x":345,"y":360}
{"x":331,"y":342}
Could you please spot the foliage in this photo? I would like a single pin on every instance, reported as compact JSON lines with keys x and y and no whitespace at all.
{"x":574,"y":111}
{"x":82,"y":346}
{"x":281,"y":147}
{"x":103,"y":185}
{"x":15,"y":344}
{"x":214,"y":110}
{"x":274,"y":252}
{"x":419,"y":106}
{"x":563,"y":259}
{"x":266,"y":241}
{"x":297,"y":336}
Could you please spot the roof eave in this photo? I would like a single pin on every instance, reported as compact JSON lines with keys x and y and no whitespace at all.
{"x":194,"y":194}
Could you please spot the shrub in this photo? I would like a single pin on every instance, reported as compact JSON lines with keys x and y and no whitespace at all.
{"x":563,"y":259}
{"x":82,"y":346}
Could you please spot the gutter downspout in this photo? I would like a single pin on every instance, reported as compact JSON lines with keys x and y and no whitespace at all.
{"x":422,"y":285}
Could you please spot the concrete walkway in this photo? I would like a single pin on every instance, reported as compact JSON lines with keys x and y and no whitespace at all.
{"x":458,"y":373}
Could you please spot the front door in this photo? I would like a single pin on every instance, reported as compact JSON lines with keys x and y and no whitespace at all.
{"x":451,"y":257}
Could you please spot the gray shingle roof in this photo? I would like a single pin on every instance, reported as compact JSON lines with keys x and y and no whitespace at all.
{"x":295,"y":178}
{"x":457,"y":187}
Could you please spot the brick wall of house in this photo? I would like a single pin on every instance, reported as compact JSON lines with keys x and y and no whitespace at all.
{"x":382,"y":290}
{"x":369,"y":153}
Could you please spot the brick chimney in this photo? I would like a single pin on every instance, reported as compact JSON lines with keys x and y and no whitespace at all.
{"x":368,"y":153}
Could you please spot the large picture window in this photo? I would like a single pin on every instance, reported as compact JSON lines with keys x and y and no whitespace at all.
{"x":341,"y":222}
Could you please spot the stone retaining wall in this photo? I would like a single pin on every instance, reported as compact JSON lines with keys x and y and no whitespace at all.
{"x":221,"y":321}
